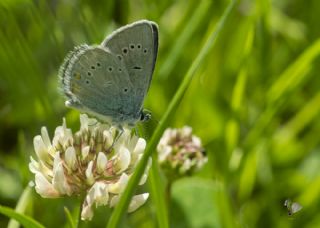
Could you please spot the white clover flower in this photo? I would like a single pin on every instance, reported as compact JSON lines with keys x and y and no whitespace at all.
{"x":180,"y":152}
{"x":88,"y":161}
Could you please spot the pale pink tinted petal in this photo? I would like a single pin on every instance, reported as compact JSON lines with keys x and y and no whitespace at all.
{"x":85,"y":152}
{"x":196,"y":141}
{"x":45,"y":137}
{"x":56,"y":161}
{"x":119,"y":186}
{"x":114,"y":200}
{"x":139,"y":148}
{"x":59,"y":181}
{"x":34,"y":166}
{"x":89,"y":174}
{"x":123,"y":160}
{"x":163,"y":154}
{"x":84,"y":122}
{"x":44,"y":187}
{"x":143,"y":179}
{"x":86,"y":212}
{"x":108,"y":138}
{"x":101,"y":162}
{"x":146,"y":171}
{"x":70,"y":157}
{"x":40,"y":148}
{"x":101,"y":195}
{"x":186,"y":131}
{"x":137,"y":201}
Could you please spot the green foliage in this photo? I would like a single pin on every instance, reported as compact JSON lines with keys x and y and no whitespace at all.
{"x":21,"y":218}
{"x":254,"y":101}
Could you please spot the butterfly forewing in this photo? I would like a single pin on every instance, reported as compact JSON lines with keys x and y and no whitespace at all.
{"x":136,"y":45}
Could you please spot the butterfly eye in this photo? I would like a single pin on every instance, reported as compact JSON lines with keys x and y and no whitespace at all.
{"x":142,"y":116}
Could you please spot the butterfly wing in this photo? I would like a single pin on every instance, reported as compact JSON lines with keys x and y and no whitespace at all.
{"x":295,"y":207}
{"x":96,"y":81}
{"x":136,"y":45}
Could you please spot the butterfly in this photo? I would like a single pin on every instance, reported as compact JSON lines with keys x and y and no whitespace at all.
{"x":111,"y":80}
{"x":292,"y":207}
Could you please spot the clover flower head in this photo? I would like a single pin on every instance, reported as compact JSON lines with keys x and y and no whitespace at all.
{"x":88,"y":162}
{"x":180,"y":152}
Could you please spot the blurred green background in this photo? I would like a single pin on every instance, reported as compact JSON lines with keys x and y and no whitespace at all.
{"x":254,"y":102}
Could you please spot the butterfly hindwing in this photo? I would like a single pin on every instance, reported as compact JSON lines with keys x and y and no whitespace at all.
{"x":94,"y":79}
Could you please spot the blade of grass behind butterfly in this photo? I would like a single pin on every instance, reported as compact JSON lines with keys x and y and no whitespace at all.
{"x":24,"y":220}
{"x":232,"y":127}
{"x":69,"y":218}
{"x":25,"y":201}
{"x":27,"y":75}
{"x":17,"y":214}
{"x":289,"y":133}
{"x":22,"y":204}
{"x":183,"y":39}
{"x":124,"y":201}
{"x":287,"y":82}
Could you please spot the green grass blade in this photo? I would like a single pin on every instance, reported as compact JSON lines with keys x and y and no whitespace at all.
{"x":24,"y":220}
{"x":21,"y":206}
{"x":304,"y":117}
{"x":232,"y":127}
{"x":292,"y":76}
{"x":157,"y":193}
{"x":134,"y":180}
{"x":184,"y":37}
{"x":248,"y":174}
{"x":224,"y":206}
{"x":287,"y":82}
{"x":69,"y":218}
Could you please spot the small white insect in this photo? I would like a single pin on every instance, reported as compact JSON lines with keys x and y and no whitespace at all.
{"x":293,"y":207}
